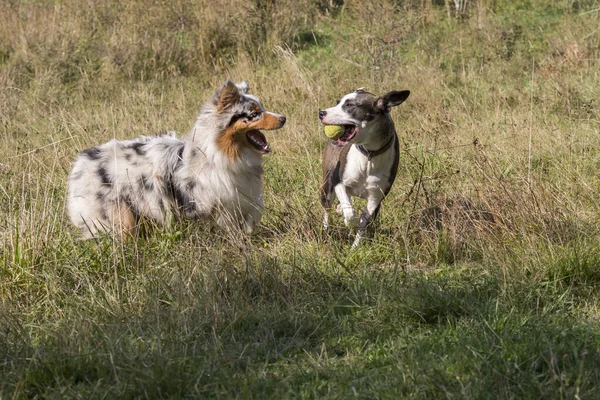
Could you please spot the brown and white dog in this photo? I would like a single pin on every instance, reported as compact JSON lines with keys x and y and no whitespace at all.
{"x":364,"y":161}
{"x":215,"y":172}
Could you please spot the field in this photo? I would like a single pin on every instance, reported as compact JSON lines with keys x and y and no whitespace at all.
{"x":481,"y":280}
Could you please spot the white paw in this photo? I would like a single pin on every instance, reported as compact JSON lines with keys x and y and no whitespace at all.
{"x":326,"y":222}
{"x":249,"y":226}
{"x":351,"y":219}
{"x":357,"y":239}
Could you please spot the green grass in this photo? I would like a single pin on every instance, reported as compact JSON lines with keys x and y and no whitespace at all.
{"x":481,"y":280}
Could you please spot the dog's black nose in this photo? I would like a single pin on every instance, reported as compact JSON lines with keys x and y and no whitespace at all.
{"x":282,"y":120}
{"x":322,"y":114}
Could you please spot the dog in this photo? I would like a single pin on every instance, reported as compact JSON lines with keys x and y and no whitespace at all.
{"x":214,"y":173}
{"x":363,"y":162}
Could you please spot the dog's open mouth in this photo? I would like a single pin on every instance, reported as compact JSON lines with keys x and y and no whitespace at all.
{"x":350,"y":132}
{"x":258,"y":141}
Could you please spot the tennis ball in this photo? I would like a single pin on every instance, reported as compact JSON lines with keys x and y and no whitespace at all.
{"x":334,"y":131}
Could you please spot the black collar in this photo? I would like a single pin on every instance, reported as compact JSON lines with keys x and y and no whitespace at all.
{"x":374,"y":153}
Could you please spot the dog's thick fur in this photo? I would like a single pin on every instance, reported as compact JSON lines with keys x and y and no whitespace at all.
{"x":213,"y":173}
{"x":364,"y":161}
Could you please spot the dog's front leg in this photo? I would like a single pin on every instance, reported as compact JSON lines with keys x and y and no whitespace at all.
{"x":368,"y":216}
{"x":249,"y":224}
{"x":350,"y":218}
{"x":253,"y":217}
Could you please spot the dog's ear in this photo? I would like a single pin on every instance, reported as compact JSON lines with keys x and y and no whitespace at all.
{"x":243,"y":87}
{"x":228,"y":96}
{"x":390,"y":99}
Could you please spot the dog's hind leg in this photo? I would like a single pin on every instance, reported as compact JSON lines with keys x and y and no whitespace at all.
{"x":122,"y":218}
{"x":326,"y":202}
{"x":326,"y":221}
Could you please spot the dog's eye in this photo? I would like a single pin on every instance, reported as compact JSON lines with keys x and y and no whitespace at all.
{"x":349,"y":103}
{"x":236,"y":118}
{"x":253,"y":115}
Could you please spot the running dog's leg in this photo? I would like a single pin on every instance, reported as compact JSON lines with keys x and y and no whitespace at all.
{"x":368,"y":216}
{"x":326,"y":194}
{"x":325,"y":221}
{"x":350,"y":218}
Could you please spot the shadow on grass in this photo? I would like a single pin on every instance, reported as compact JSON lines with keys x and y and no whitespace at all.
{"x":283,"y":328}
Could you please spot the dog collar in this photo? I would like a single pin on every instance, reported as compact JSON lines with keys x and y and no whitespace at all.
{"x":374,"y":153}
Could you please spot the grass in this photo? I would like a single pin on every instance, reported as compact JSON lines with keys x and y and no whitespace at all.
{"x":481,"y":279}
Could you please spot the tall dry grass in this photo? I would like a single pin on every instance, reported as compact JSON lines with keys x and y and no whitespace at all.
{"x":496,"y":198}
{"x":499,"y":116}
{"x":144,"y":40}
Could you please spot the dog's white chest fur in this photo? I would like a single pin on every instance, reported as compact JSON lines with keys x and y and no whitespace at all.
{"x":363,"y":176}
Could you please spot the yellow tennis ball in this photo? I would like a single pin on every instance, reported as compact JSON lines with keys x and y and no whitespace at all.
{"x":334,"y":131}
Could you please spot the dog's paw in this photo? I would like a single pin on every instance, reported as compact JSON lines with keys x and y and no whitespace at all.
{"x":359,"y":235}
{"x":351,"y":220}
{"x":353,"y":223}
{"x":249,"y":225}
